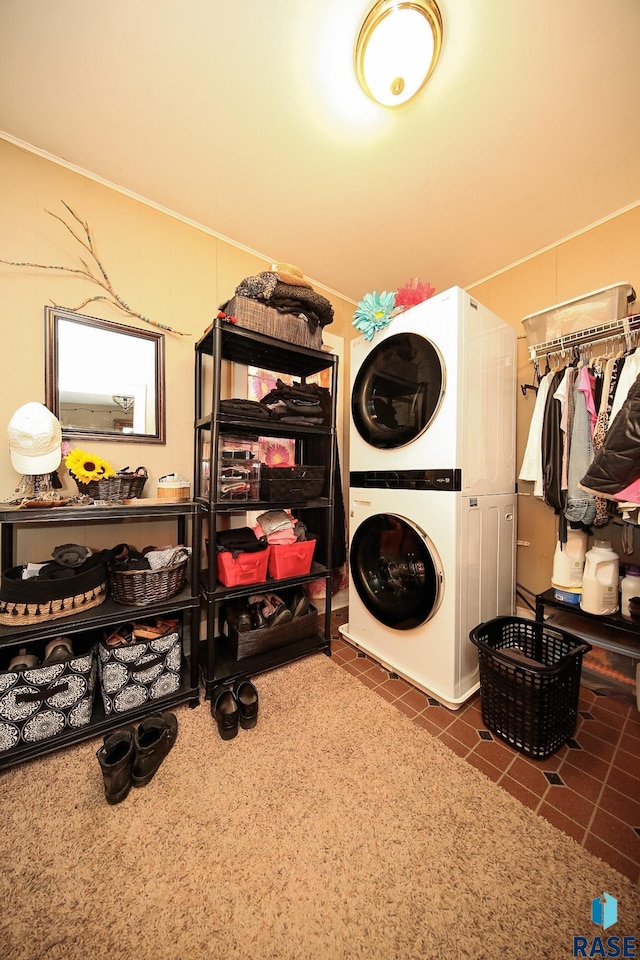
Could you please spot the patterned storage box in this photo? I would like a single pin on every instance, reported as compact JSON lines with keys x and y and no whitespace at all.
{"x":291,"y":483}
{"x":38,"y":704}
{"x":284,"y":326}
{"x":132,"y":675}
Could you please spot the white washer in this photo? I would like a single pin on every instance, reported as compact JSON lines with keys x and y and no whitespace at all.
{"x":426,"y":567}
{"x":436,"y":390}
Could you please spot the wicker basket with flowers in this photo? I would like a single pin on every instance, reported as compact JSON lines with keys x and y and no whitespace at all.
{"x":97,"y":479}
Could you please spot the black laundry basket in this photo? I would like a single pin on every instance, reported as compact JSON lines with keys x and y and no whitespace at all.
{"x":529,"y":682}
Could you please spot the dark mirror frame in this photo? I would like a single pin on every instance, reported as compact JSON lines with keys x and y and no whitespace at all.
{"x":53,"y":315}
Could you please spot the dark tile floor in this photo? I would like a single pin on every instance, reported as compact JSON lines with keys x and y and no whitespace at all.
{"x":590,"y":788}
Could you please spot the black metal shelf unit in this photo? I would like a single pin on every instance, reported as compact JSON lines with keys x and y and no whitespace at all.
{"x":614,"y":672}
{"x":222,"y":349}
{"x":611,"y":632}
{"x":185,"y":605}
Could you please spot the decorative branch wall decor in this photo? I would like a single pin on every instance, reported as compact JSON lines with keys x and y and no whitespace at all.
{"x":100,"y":277}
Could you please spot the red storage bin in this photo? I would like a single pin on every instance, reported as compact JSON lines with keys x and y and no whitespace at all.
{"x":245,"y":568}
{"x":290,"y":559}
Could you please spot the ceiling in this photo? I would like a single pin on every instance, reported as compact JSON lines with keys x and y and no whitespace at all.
{"x":245,"y":117}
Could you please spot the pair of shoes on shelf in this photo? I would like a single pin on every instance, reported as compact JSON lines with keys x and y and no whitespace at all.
{"x":151,"y":631}
{"x":131,"y":757}
{"x":299,"y":604}
{"x":56,"y":651}
{"x":233,"y":705}
{"x":120,"y":636}
{"x":239,"y":616}
{"x":127,"y":634}
{"x":268,"y":610}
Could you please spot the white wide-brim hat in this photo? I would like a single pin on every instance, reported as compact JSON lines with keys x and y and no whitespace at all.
{"x":35,"y":439}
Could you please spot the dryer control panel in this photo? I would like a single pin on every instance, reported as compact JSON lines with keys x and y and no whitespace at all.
{"x":447,"y":480}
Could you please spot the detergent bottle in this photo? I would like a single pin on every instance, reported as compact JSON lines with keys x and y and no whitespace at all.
{"x":568,"y":560}
{"x":629,"y":587}
{"x":600,"y":579}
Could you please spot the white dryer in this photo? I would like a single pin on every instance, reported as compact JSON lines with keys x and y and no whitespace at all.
{"x":426,"y":567}
{"x":436,"y":390}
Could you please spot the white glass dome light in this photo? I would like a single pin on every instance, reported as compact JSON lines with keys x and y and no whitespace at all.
{"x":397,"y":49}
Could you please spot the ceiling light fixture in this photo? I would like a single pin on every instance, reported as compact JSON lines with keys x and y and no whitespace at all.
{"x":397,"y":49}
{"x":123,"y":401}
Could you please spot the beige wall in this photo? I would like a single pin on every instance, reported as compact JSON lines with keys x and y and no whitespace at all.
{"x":178,"y":274}
{"x":606,"y":254}
{"x":164,"y":268}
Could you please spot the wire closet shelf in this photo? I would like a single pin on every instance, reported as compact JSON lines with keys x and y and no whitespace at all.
{"x":614,"y":330}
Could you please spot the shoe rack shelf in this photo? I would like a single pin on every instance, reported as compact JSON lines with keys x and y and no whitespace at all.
{"x":221,"y":358}
{"x":185,"y":605}
{"x":620,"y":638}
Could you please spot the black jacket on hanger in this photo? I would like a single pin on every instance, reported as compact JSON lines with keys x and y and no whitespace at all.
{"x":617,"y":463}
{"x":552,"y":446}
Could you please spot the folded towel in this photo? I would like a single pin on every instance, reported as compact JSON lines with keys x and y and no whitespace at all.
{"x":274,"y":520}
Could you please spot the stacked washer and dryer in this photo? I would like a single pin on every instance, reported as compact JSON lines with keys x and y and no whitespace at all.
{"x":432,"y":504}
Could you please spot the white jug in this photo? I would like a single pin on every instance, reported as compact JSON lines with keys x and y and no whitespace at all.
{"x":600,"y":579}
{"x":568,"y":560}
{"x":629,"y":587}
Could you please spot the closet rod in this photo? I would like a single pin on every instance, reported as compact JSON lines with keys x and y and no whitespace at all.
{"x":614,"y":329}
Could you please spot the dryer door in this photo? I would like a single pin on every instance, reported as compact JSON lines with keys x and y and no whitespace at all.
{"x":396,"y":570}
{"x":398,"y":391}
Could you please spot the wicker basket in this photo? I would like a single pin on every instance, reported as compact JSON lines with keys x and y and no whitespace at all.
{"x":124,"y":486}
{"x":284,"y":326}
{"x":142,"y":587}
{"x":24,"y":602}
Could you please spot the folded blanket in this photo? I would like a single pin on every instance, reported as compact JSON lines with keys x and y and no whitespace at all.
{"x":287,"y":298}
{"x":244,"y":409}
{"x":273,"y":520}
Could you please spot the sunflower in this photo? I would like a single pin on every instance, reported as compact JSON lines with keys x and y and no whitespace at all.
{"x":374,"y":312}
{"x":85,"y":467}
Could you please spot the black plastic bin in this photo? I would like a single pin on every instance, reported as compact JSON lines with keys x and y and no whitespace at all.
{"x":529,"y":682}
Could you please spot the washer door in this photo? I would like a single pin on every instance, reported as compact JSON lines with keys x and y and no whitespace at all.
{"x":396,"y":570}
{"x":398,"y":391}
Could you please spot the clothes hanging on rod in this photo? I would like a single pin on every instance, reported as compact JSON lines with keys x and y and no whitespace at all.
{"x":564,"y":394}
{"x":615,"y":471}
{"x":531,"y":468}
{"x":580,"y":504}
{"x":576,"y":404}
{"x":628,"y":373}
{"x":553,"y":494}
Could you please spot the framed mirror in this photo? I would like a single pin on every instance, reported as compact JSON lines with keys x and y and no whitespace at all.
{"x":104,"y":379}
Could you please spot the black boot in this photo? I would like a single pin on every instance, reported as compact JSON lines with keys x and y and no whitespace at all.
{"x":116,"y":760}
{"x":153,"y":738}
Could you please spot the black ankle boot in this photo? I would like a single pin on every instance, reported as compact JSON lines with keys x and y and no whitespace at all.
{"x":153,"y":738}
{"x":116,"y":760}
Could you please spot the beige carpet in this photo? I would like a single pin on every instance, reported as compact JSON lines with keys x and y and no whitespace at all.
{"x":335,"y":829}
